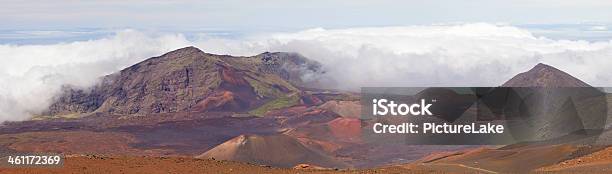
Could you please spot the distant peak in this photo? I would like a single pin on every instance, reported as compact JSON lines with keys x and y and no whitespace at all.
{"x":543,"y":75}
{"x":182,"y":52}
{"x":278,"y":53}
{"x":543,"y":66}
{"x":188,"y":49}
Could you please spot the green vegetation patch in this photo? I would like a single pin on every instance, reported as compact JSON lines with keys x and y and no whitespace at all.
{"x":264,"y":90}
{"x":281,"y":102}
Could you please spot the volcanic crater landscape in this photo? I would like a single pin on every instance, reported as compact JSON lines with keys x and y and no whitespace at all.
{"x":191,"y":111}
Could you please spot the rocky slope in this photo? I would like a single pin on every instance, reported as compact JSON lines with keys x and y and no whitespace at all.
{"x":576,"y":154}
{"x":557,"y":111}
{"x":322,"y":130}
{"x":275,"y":150}
{"x":188,"y":79}
{"x":543,"y":75}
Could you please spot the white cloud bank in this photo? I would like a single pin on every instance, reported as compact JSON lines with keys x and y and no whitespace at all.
{"x":434,"y":55}
{"x":31,"y":75}
{"x":476,"y":54}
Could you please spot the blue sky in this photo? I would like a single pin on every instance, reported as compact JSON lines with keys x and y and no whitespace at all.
{"x":52,"y":21}
{"x":291,"y":14}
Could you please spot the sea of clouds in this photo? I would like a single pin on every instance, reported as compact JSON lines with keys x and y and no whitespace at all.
{"x":477,"y":54}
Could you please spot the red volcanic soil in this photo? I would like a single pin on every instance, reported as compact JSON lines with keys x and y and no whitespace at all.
{"x":153,"y":165}
{"x":164,"y":165}
{"x":516,"y":160}
{"x":346,"y":128}
{"x":350,"y":109}
{"x":600,"y":161}
{"x":81,"y":142}
{"x":232,"y":76}
{"x":185,"y":134}
{"x":274,"y":150}
{"x":326,"y":146}
{"x":241,"y":97}
{"x":224,"y":99}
